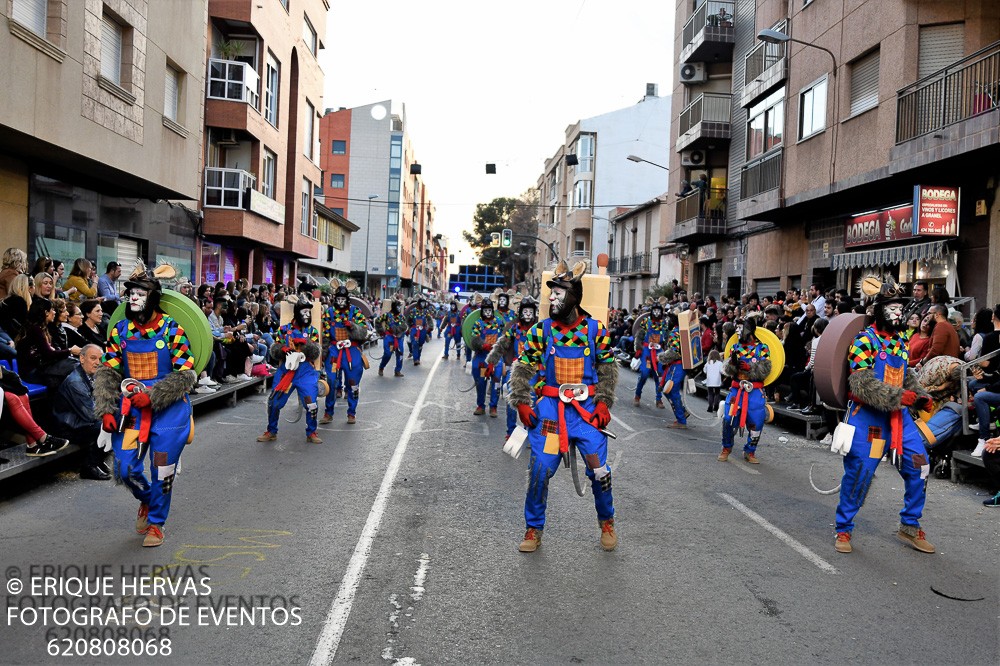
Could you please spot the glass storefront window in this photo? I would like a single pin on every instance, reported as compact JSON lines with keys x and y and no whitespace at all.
{"x":63,"y":243}
{"x":211,"y":259}
{"x":178,"y":257}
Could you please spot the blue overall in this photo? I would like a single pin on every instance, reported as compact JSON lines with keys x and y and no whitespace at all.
{"x":872,"y":439}
{"x":392,"y":345}
{"x":577,"y":366}
{"x":656,"y":334}
{"x":305,"y":380}
{"x":346,"y":362}
{"x":490,"y":332}
{"x":170,"y":428}
{"x":418,"y":335}
{"x":673,"y":384}
{"x":754,"y":413}
{"x":453,"y":333}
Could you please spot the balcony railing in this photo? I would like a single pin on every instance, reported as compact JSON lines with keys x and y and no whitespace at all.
{"x":761,"y":175}
{"x":636,"y":263}
{"x":707,"y":107}
{"x":760,"y":59}
{"x":714,"y":14}
{"x":960,"y":91}
{"x":692,"y":220}
{"x":233,"y":80}
{"x":228,"y":188}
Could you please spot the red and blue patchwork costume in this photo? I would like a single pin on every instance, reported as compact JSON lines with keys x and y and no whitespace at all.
{"x":653,"y":336}
{"x":485,"y":334}
{"x":304,"y":379}
{"x":746,"y":404}
{"x":393,"y":327}
{"x":344,"y":353}
{"x":453,"y":333}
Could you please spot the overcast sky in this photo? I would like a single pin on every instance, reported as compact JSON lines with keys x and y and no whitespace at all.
{"x":493,"y":82}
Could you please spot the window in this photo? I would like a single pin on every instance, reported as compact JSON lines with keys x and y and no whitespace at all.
{"x":309,"y":121}
{"x":585,"y":153}
{"x":337,"y":181}
{"x":764,"y":124}
{"x":271,"y":90}
{"x":339,"y":147}
{"x":171,"y":93}
{"x":582,"y":194}
{"x":812,"y":109}
{"x":267,"y":184}
{"x":305,"y":225}
{"x":111,"y":50}
{"x":338,"y":211}
{"x":309,"y":34}
{"x":284,"y":3}
{"x":940,"y":46}
{"x":864,"y":83}
{"x":32,"y":15}
{"x":335,"y":236}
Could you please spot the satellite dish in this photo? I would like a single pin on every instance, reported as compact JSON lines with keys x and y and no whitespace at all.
{"x":379,"y":112}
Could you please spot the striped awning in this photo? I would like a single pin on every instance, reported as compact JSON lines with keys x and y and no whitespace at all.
{"x":889,"y":255}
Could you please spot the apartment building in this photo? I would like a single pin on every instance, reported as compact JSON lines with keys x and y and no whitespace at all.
{"x":100,"y":132}
{"x":261,"y":139}
{"x":374,"y":179}
{"x":610,"y":161}
{"x":635,"y":262}
{"x":844,"y":139}
{"x":335,"y":237}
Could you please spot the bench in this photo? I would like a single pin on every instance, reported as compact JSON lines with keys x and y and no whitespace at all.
{"x":815,"y":423}
{"x":228,"y":391}
{"x":963,"y":458}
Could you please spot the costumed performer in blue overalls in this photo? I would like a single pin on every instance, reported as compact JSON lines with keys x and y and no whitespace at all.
{"x":748,"y":365}
{"x":671,"y":382}
{"x":392,"y":326}
{"x":452,"y":331}
{"x":421,"y":319}
{"x":485,"y":333}
{"x":345,"y":330}
{"x":294,"y":352}
{"x":140,"y":393}
{"x":653,"y":334}
{"x":573,"y":405}
{"x":503,"y":313}
{"x":882,"y":392}
{"x":511,"y":343}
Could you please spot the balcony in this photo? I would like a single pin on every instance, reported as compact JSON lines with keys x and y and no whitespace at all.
{"x":694,"y":225}
{"x":706,"y":119}
{"x":764,"y":68}
{"x":709,"y":35}
{"x":233,"y":207}
{"x":232,"y":100}
{"x":761,"y":175}
{"x":637,"y":263}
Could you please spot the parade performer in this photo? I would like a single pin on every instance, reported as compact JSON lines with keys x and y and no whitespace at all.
{"x":345,"y":330}
{"x":748,"y":365}
{"x":469,"y":308}
{"x":392,"y":326}
{"x":653,"y":334}
{"x":485,"y":333}
{"x":503,"y":312}
{"x":511,"y":344}
{"x":421,"y":320}
{"x":294,"y":352}
{"x":573,"y":351}
{"x":440,"y":312}
{"x":453,"y":331}
{"x":672,"y":376}
{"x":882,"y":391}
{"x":140,"y":393}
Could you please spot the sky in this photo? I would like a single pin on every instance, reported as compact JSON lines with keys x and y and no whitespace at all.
{"x":493,"y":82}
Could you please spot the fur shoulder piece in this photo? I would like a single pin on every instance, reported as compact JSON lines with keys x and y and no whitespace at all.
{"x":668,"y":356}
{"x":107,"y":391}
{"x":171,"y":388}
{"x":759,"y":371}
{"x":500,"y":349}
{"x":521,"y":375}
{"x":359,"y":332}
{"x":277,"y":355}
{"x":876,"y":394}
{"x":607,"y":381}
{"x":311,"y":350}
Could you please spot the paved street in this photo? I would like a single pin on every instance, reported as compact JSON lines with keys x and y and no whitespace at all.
{"x":717,"y":562}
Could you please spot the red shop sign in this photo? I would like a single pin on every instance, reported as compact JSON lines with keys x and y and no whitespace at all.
{"x":936,"y":210}
{"x":887,"y":226}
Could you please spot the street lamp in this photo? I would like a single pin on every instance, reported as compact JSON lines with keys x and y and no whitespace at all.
{"x":769,"y":36}
{"x":636,"y":158}
{"x":368,"y":235}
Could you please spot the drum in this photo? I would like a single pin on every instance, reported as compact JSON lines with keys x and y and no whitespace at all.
{"x":774,"y":346}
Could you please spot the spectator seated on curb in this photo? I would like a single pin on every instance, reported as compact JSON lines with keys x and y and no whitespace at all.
{"x":17,"y":404}
{"x":73,"y":413}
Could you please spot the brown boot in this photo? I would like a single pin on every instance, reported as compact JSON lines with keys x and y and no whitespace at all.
{"x":380,"y":371}
{"x":350,"y":419}
{"x":142,"y":520}
{"x":154,"y":536}
{"x":479,"y":411}
{"x":268,"y":436}
{"x":724,"y":456}
{"x":915,"y":537}
{"x":609,"y":540}
{"x":532,"y":540}
{"x":493,"y":412}
{"x":751,"y":458}
{"x":843,"y":543}
{"x":326,"y":419}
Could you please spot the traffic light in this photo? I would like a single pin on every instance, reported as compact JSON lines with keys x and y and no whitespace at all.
{"x":508,"y":238}
{"x":495,"y":239}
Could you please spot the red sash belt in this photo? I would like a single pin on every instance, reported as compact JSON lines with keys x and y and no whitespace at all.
{"x":145,"y":416}
{"x":340,"y":355}
{"x":742,"y":401}
{"x":895,"y":423}
{"x":553,"y":392}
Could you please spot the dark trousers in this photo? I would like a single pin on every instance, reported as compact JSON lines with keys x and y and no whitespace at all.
{"x":713,"y":398}
{"x":802,"y":382}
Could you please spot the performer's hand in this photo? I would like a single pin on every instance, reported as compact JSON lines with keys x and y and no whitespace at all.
{"x":601,"y":416}
{"x":924,"y":403}
{"x":744,"y":366}
{"x":487,"y":348}
{"x":109,"y":424}
{"x":348,"y":324}
{"x":140,"y":399}
{"x":909,"y":398}
{"x":527,"y":415}
{"x":490,"y":368}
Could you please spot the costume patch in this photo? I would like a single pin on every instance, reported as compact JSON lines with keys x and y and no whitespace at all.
{"x":569,"y":370}
{"x":878,"y":448}
{"x":592,"y":460}
{"x":159,"y":458}
{"x":874,"y":432}
{"x":130,"y":439}
{"x":893,"y":376}
{"x":919,"y":460}
{"x":142,"y":365}
{"x":551,"y":444}
{"x":550,"y":426}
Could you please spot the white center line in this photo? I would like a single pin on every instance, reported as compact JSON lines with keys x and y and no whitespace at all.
{"x":788,"y":540}
{"x":622,"y":423}
{"x":336,"y":618}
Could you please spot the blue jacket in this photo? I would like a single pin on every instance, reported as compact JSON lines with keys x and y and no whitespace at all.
{"x":73,"y":404}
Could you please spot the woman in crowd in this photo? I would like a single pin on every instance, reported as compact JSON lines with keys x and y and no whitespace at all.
{"x":59,"y":274}
{"x":44,"y":286}
{"x":71,"y":327}
{"x":15,"y":262}
{"x":56,"y":331}
{"x":920,"y":343}
{"x":939,"y":296}
{"x":14,"y":308}
{"x":43,"y":265}
{"x":92,"y":325}
{"x":38,"y":361}
{"x":81,"y":283}
{"x":982,"y":324}
{"x":16,"y":401}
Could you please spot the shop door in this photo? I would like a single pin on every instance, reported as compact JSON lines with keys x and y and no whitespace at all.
{"x":768,"y":287}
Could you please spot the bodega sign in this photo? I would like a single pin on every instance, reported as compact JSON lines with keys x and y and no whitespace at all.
{"x":886,"y":226}
{"x":935,"y":210}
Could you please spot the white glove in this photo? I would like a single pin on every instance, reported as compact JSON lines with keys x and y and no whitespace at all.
{"x":104,"y":441}
{"x":636,"y":362}
{"x":292,"y":360}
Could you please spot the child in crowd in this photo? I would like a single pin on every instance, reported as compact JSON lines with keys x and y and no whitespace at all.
{"x":713,"y":379}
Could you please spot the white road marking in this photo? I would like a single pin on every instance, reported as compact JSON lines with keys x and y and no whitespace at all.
{"x":417,"y":590}
{"x":622,"y":423}
{"x":618,"y":457}
{"x":681,"y":453}
{"x":788,"y":540}
{"x":340,"y":610}
{"x":743,"y":468}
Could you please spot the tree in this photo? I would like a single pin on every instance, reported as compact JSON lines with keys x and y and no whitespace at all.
{"x":505,"y":213}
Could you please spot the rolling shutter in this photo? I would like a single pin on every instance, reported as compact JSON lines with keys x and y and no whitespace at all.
{"x":31,"y":14}
{"x":763,"y":288}
{"x":170,"y":94}
{"x":864,"y":83}
{"x":940,"y":46}
{"x":111,"y":50}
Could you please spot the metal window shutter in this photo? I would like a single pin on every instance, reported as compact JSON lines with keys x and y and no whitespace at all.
{"x":864,"y":83}
{"x":170,"y":94}
{"x":940,"y":46}
{"x":31,"y":14}
{"x":128,"y":252}
{"x":767,"y":287}
{"x":111,"y":50}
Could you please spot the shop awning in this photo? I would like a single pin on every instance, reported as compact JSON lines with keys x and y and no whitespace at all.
{"x":889,"y":255}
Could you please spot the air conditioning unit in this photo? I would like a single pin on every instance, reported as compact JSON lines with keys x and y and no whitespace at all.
{"x":693,"y":72}
{"x":692,"y":158}
{"x":227,"y":137}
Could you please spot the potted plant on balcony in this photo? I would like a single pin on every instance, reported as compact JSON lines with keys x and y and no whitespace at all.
{"x":229,"y":49}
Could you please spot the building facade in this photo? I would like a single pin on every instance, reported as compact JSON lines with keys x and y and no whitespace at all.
{"x":335,"y":237}
{"x":866,"y":143}
{"x":634,"y":237}
{"x":103,"y":131}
